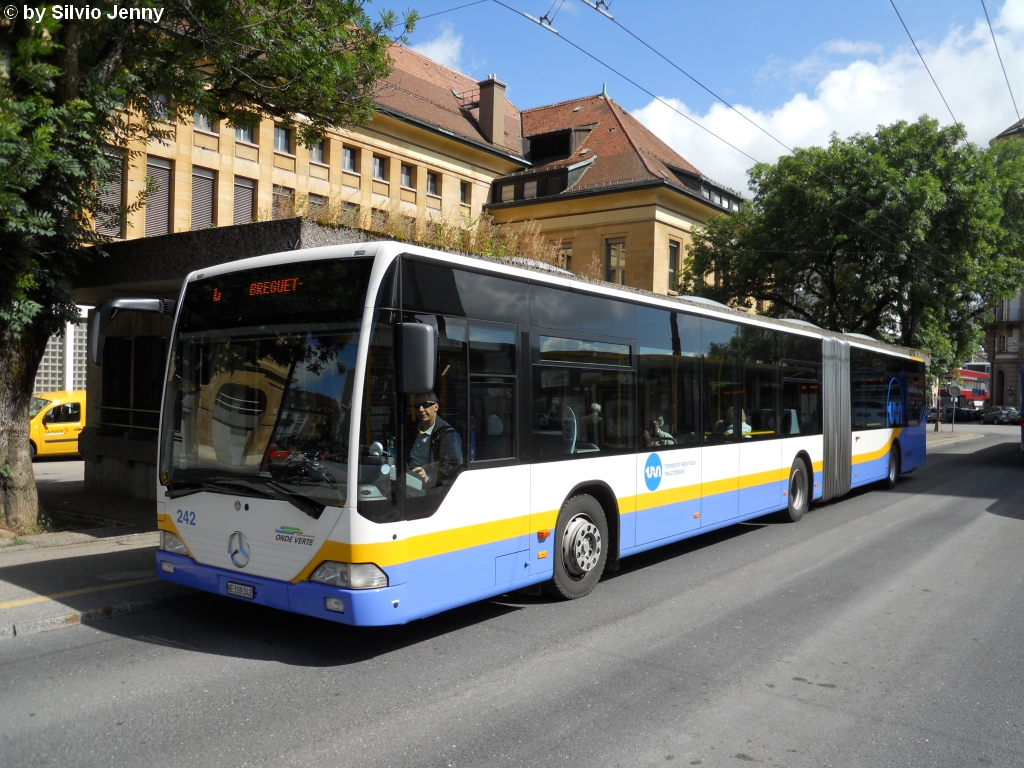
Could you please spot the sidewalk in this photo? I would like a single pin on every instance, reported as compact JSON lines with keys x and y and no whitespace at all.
{"x":948,"y":435}
{"x":105,"y":567}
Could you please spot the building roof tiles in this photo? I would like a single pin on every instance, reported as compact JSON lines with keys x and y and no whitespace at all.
{"x":424,"y":90}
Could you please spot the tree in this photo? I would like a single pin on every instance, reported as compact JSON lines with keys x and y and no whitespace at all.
{"x":906,"y":235}
{"x":71,"y":88}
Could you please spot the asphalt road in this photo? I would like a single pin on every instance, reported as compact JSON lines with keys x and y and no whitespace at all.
{"x":886,"y":629}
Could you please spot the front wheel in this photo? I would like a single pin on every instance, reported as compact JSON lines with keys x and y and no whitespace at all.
{"x":894,"y":467}
{"x":580,"y":549}
{"x":799,"y":492}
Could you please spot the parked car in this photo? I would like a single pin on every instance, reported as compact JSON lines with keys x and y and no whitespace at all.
{"x":932,"y":415}
{"x":962,"y":415}
{"x":55,"y":421}
{"x":1002,"y":414}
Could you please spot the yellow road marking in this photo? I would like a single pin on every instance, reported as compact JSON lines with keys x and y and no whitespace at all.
{"x":74,"y":592}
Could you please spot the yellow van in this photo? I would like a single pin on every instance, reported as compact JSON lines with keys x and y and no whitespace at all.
{"x":56,"y":419}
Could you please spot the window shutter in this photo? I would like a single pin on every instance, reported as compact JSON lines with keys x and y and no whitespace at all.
{"x":112,"y":197}
{"x":158,"y":203}
{"x":284,"y":203}
{"x":245,"y":200}
{"x":202,"y":198}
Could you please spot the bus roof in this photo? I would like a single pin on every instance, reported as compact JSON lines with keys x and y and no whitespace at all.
{"x":528,"y":269}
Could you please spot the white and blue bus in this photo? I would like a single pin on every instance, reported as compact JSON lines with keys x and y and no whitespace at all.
{"x":376,"y":433}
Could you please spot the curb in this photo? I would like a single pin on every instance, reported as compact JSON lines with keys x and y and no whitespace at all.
{"x":73,"y":618}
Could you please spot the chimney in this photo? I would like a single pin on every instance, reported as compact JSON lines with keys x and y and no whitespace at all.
{"x":492,"y":110}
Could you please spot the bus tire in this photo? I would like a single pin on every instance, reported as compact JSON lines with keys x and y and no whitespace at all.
{"x":580,"y":549}
{"x":894,"y":467}
{"x":799,"y":494}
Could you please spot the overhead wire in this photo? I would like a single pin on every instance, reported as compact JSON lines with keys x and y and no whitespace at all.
{"x":449,"y":10}
{"x":759,"y":127}
{"x":1003,"y":66}
{"x":704,"y":128}
{"x":921,"y":56}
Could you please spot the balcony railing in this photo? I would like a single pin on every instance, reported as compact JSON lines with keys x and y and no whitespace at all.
{"x":1006,"y":315}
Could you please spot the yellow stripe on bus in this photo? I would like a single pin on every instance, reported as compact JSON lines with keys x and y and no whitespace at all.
{"x":860,"y":458}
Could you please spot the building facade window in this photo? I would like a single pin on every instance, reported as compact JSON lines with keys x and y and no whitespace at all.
{"x":529,"y":189}
{"x":673,"y":265}
{"x":284,"y":202}
{"x":203,"y":184}
{"x":161,"y":105}
{"x":565,"y":252}
{"x":317,"y":153}
{"x":316,"y":204}
{"x":109,"y":220}
{"x":158,"y":201}
{"x":433,"y":183}
{"x":245,"y":200}
{"x":380,"y":168}
{"x":202,"y":122}
{"x":615,"y":261}
{"x":508,"y":193}
{"x":244,"y":134}
{"x":408,"y":177}
{"x":283,"y":139}
{"x":464,"y":192}
{"x":349,"y":161}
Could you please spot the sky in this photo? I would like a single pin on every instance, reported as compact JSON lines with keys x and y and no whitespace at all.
{"x":799,"y":69}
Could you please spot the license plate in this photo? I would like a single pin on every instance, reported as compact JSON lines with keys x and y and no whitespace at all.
{"x":241,"y":590}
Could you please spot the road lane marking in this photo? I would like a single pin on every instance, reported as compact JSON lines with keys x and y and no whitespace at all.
{"x":73,"y":593}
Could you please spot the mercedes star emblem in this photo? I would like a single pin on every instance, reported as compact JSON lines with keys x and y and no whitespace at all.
{"x":238,"y":549}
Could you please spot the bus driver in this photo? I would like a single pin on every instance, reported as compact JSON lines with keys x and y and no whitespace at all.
{"x":436,"y":455}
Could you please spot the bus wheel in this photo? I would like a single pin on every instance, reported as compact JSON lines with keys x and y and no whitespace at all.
{"x":799,"y":492}
{"x":580,"y":548}
{"x":894,"y":467}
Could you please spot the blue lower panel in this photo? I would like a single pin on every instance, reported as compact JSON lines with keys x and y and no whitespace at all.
{"x":365,"y":607}
{"x":669,"y":520}
{"x":761,"y":498}
{"x":869,"y":471}
{"x":817,"y":490}
{"x":719,"y":508}
{"x":449,"y":576}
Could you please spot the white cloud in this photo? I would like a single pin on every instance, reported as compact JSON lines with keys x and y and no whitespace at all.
{"x":861,"y":95}
{"x":445,"y":49}
{"x":852,"y":47}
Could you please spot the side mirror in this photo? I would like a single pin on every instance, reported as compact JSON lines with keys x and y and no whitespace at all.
{"x":46,"y":419}
{"x":104,"y":313}
{"x":417,"y":355}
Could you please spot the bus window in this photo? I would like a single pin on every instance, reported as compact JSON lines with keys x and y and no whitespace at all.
{"x":760,"y":378}
{"x":723,"y":422}
{"x":668,"y":388}
{"x":492,"y":392}
{"x":436,"y":454}
{"x":380,"y":459}
{"x":800,"y":408}
{"x":582,"y":412}
{"x":868,"y":391}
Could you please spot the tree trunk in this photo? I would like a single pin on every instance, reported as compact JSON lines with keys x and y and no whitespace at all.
{"x":19,"y":360}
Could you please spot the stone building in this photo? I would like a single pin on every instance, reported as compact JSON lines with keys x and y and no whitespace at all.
{"x":617,"y":197}
{"x":1003,"y":336}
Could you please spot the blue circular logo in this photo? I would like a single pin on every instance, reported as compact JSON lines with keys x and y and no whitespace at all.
{"x":652,"y":472}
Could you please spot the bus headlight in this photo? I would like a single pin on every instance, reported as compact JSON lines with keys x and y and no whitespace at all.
{"x":171,"y":543}
{"x":350,"y":575}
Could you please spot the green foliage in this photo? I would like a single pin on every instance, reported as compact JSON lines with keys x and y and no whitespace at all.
{"x":906,"y":234}
{"x":70,"y":88}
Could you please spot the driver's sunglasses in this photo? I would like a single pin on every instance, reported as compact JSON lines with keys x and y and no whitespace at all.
{"x":425,"y":404}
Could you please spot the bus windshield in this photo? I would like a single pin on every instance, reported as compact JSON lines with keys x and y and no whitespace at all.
{"x":260,"y":386}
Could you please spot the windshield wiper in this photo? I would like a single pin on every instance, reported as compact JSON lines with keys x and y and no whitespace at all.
{"x":265,"y":488}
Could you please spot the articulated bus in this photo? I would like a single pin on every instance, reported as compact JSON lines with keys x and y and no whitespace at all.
{"x":376,"y":433}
